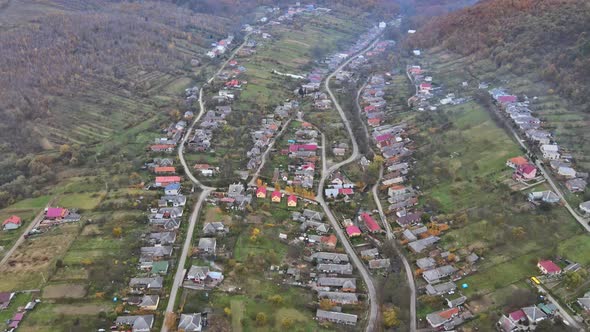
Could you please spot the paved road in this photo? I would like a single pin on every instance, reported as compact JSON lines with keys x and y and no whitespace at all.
{"x":265,"y":154}
{"x":372,"y":293}
{"x":206,"y":191}
{"x":21,"y":239}
{"x":564,"y":314}
{"x":178,"y":278}
{"x":407,"y":268}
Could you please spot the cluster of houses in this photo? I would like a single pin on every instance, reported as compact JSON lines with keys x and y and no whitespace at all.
{"x":276,"y":196}
{"x":164,"y":218}
{"x":270,"y":127}
{"x":14,"y":321}
{"x":235,"y":198}
{"x":172,"y":136}
{"x":220,"y":47}
{"x":56,"y":216}
{"x":424,"y":88}
{"x":531,"y":127}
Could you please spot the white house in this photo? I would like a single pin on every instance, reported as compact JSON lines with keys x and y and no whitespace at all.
{"x":585,"y":207}
{"x":550,"y":151}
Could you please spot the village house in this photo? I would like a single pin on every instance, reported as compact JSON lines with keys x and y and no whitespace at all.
{"x":585,"y":207}
{"x":544,"y":196}
{"x":12,"y":222}
{"x":336,"y":317}
{"x":292,"y":201}
{"x":353,"y":231}
{"x":5,"y":298}
{"x":202,"y":275}
{"x":435,"y":275}
{"x":276,"y":196}
{"x":190,"y":322}
{"x":207,"y":246}
{"x":566,"y":172}
{"x":548,"y":267}
{"x":379,"y":263}
{"x":141,"y":323}
{"x":335,"y":268}
{"x":420,"y":245}
{"x":550,"y":151}
{"x":261,"y":192}
{"x":370,"y":223}
{"x":344,"y":284}
{"x":162,"y":238}
{"x":149,"y":302}
{"x":576,"y":185}
{"x":146,"y":284}
{"x":339,"y":297}
{"x":441,"y":288}
{"x":329,"y":257}
{"x":525,"y":172}
{"x":440,"y":318}
{"x":215,"y":228}
{"x":584,"y":301}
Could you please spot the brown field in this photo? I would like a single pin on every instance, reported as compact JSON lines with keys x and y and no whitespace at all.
{"x":81,"y":309}
{"x":31,"y":262}
{"x":73,"y":291}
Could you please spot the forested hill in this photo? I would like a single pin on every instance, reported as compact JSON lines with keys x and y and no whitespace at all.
{"x":550,"y":37}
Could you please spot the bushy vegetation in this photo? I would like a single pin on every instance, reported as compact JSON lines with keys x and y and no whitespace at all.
{"x":548,"y":37}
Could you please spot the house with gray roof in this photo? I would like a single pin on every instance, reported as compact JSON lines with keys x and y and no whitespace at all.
{"x":420,"y":245}
{"x":585,"y":207}
{"x":190,"y":322}
{"x":426,"y":263}
{"x":156,"y":252}
{"x":162,"y":238}
{"x":335,"y":268}
{"x":433,"y":276}
{"x":408,"y":235}
{"x":379,"y":263}
{"x":141,"y":323}
{"x":339,"y":297}
{"x":371,"y":253}
{"x":140,"y":284}
{"x":207,"y":245}
{"x":442,"y":288}
{"x":215,"y":228}
{"x":584,"y":301}
{"x":329,"y":257}
{"x":336,"y":317}
{"x":149,"y":302}
{"x":345,"y":284}
{"x":534,"y":314}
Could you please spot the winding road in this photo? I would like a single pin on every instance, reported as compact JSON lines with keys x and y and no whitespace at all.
{"x":179,"y":276}
{"x":372,"y":293}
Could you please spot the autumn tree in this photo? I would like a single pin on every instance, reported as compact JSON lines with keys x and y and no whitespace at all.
{"x":390,"y":317}
{"x":326,"y":304}
{"x":117,"y":232}
{"x":261,"y":319}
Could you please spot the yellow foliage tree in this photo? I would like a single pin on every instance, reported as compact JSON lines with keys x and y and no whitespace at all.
{"x":117,"y":231}
{"x":390,"y":318}
{"x":227,"y":311}
{"x":326,"y":304}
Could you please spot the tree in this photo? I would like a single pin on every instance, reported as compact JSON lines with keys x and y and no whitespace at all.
{"x":518,"y":232}
{"x":276,"y":299}
{"x":117,"y":231}
{"x":390,"y":318}
{"x":326,"y":304}
{"x":287,"y":323}
{"x":574,"y":279}
{"x":227,"y":311}
{"x":261,"y":319}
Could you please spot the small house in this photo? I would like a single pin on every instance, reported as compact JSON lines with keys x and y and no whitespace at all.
{"x":275,"y":197}
{"x":353,"y":231}
{"x":190,"y":323}
{"x":585,"y":207}
{"x":172,"y":189}
{"x":292,"y":201}
{"x":548,"y":267}
{"x":13,"y":222}
{"x":261,"y":192}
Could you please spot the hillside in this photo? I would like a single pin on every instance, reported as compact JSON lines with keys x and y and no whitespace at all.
{"x":76,"y":72}
{"x":548,"y":37}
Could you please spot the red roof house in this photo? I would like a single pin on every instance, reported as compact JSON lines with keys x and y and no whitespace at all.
{"x":302,"y":147}
{"x":276,"y":196}
{"x":162,"y":147}
{"x":346,"y":191}
{"x":548,"y":267}
{"x":370,"y":108}
{"x":329,"y":241}
{"x":12,"y":222}
{"x":507,"y":99}
{"x":261,"y":192}
{"x":526,"y":171}
{"x":163,"y":181}
{"x":425,"y":86}
{"x":517,"y":315}
{"x":371,"y":224}
{"x":374,"y":122}
{"x":55,"y":213}
{"x":292,"y":201}
{"x":353,"y":231}
{"x":232,"y":84}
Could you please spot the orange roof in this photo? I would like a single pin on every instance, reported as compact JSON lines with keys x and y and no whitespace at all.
{"x":520,"y":160}
{"x":201,"y":166}
{"x":165,"y":169}
{"x":447,"y":314}
{"x":164,"y":179}
{"x":331,"y":239}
